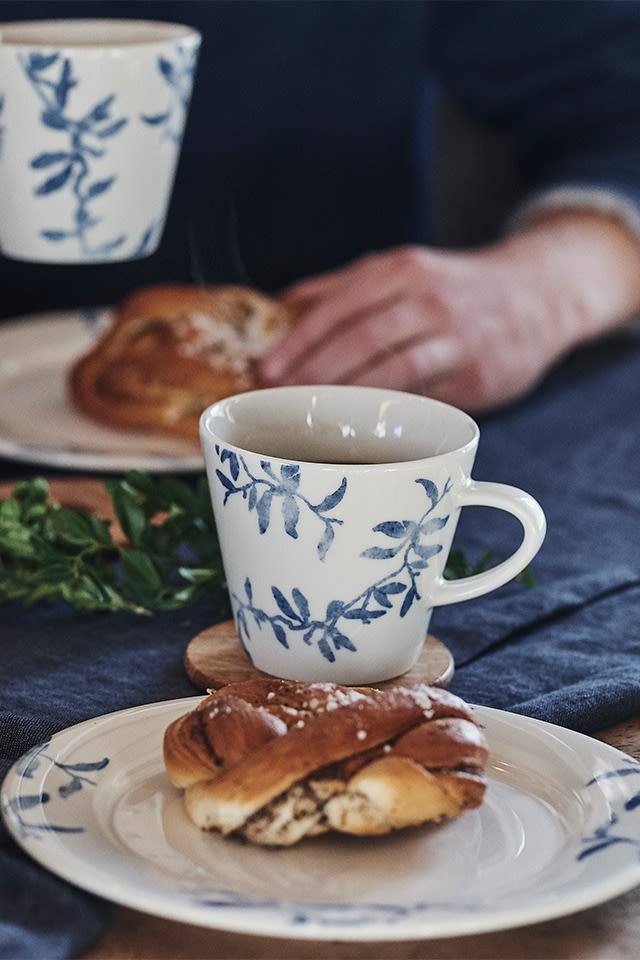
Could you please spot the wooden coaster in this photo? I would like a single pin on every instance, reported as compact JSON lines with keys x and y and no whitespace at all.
{"x":214,"y":658}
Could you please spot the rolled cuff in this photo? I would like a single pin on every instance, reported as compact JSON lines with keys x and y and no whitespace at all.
{"x":609,"y":202}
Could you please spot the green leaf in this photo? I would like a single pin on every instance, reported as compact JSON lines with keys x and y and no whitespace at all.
{"x":171,"y":560}
{"x":138,"y":569}
{"x":70,"y":527}
{"x":34,"y":490}
{"x":10,"y":512}
{"x":130,"y":514}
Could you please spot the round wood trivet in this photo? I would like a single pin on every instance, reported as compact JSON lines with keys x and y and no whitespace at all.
{"x":214,"y":658}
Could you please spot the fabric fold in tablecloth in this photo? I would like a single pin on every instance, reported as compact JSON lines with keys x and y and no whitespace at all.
{"x":569,"y":654}
{"x":41,"y":916}
{"x":566,"y":650}
{"x":563,"y":654}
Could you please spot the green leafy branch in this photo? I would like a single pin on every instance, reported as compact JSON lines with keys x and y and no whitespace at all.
{"x":170,"y":558}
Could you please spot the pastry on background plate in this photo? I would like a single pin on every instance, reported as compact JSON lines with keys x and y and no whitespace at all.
{"x":274,"y":761}
{"x":172,"y":350}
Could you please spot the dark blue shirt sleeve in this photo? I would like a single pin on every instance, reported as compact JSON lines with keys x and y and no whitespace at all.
{"x":564,"y":77}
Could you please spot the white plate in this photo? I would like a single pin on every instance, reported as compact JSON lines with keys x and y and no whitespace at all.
{"x":37,"y":423}
{"x":559,"y":831}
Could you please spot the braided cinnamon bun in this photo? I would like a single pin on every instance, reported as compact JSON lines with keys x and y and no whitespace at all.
{"x":170,"y":351}
{"x":274,"y":761}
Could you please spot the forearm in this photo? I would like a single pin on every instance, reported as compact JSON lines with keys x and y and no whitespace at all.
{"x":586,"y":266}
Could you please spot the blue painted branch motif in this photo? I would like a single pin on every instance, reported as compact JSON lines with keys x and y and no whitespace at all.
{"x":411,"y":549}
{"x":261,"y":492}
{"x":331,"y":914}
{"x":147,"y":241}
{"x":178,"y":76}
{"x":70,"y":167}
{"x":603,"y":837}
{"x":76,"y":777}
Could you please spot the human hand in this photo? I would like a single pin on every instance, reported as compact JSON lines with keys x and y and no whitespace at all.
{"x":475,"y":329}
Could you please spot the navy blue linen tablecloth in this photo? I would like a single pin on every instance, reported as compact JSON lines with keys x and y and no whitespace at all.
{"x":566,"y":650}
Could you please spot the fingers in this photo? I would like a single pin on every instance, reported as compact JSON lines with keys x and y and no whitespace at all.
{"x":412,"y":366}
{"x":366,"y":274}
{"x":358,"y":344}
{"x":329,"y":304}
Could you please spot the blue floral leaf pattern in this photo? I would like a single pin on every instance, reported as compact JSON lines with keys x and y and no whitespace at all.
{"x":433,"y":525}
{"x":290,"y":515}
{"x":325,"y":650}
{"x":55,"y":235}
{"x":397,"y":529}
{"x":263,"y":509}
{"x":301,"y":602}
{"x":100,"y":186}
{"x":71,"y":787}
{"x":430,"y":489}
{"x":290,"y":474}
{"x":166,"y":68}
{"x":602,"y":837}
{"x":362,"y":613}
{"x":30,"y":762}
{"x":110,"y":131}
{"x":65,"y":84}
{"x":615,"y":774}
{"x":156,"y":119}
{"x":40,"y":61}
{"x":234,"y":465}
{"x":56,"y":182}
{"x":74,"y":780}
{"x":393,"y":587}
{"x":90,"y":767}
{"x":280,"y":634}
{"x":225,"y":483}
{"x":178,"y":76}
{"x":259,"y":492}
{"x":334,"y":610}
{"x":101,"y":109}
{"x":284,"y":604}
{"x":380,"y":553}
{"x":29,"y":802}
{"x":333,"y":499}
{"x":342,"y":642}
{"x":53,"y":120}
{"x":52,"y":79}
{"x":427,"y":552}
{"x":407,"y":603}
{"x":325,"y":541}
{"x":598,"y":847}
{"x":47,"y":159}
{"x":295,"y":616}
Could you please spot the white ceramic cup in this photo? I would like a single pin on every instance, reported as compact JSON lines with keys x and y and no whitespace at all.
{"x":335,"y":508}
{"x":92,"y":114}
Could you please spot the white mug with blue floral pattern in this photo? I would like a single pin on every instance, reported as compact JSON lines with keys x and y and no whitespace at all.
{"x":92,"y":114}
{"x":335,"y":508}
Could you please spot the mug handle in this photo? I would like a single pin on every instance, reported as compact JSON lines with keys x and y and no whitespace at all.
{"x":524,"y":508}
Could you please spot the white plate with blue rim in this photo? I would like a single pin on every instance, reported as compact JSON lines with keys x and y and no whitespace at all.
{"x":38,"y":425}
{"x":559,"y":831}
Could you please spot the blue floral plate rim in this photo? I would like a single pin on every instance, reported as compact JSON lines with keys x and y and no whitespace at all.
{"x":559,"y":832}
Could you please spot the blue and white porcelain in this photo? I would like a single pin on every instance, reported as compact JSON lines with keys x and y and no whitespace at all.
{"x":559,"y":831}
{"x":336,"y":508}
{"x":92,"y":114}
